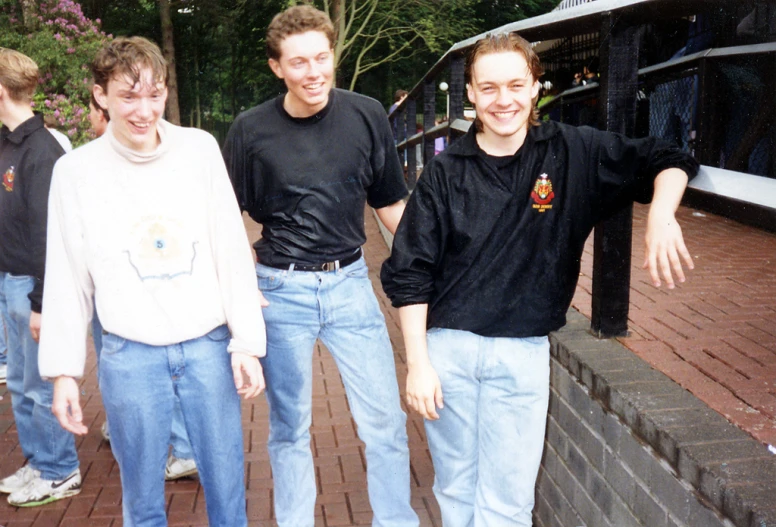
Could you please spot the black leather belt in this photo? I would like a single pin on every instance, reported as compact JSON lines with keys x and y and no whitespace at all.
{"x":322,"y":267}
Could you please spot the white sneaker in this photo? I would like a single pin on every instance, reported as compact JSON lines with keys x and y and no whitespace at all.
{"x":3,"y":373}
{"x":179,"y":468}
{"x":40,"y":491}
{"x":105,"y":432}
{"x":18,"y":480}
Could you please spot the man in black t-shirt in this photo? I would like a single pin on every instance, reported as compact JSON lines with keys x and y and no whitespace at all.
{"x":304,"y":165}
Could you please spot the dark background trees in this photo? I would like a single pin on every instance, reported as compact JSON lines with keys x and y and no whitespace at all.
{"x":219,"y":50}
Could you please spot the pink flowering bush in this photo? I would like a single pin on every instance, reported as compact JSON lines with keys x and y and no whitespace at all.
{"x":63,"y":42}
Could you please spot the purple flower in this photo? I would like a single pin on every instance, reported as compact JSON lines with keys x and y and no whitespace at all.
{"x":57,"y":36}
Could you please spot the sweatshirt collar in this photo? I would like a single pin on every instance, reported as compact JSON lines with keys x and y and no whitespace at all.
{"x":23,"y":130}
{"x":467,"y":146}
{"x":163,"y":129}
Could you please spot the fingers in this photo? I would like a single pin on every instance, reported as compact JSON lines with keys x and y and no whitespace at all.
{"x":426,"y":404}
{"x":69,"y":416}
{"x":35,"y":333}
{"x":247,"y":367}
{"x":263,"y":300}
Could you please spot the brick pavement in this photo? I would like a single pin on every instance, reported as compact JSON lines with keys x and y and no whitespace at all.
{"x":714,"y":335}
{"x":338,"y":453}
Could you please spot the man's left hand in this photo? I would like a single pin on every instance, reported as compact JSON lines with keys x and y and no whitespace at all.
{"x":665,"y":250}
{"x":35,"y":326}
{"x":247,"y":367}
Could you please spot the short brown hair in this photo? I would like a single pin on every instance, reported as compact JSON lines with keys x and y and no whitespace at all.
{"x":127,"y":56}
{"x":18,"y":75}
{"x":505,"y":43}
{"x":296,"y":20}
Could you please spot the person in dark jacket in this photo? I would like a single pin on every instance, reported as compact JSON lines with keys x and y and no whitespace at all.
{"x":484,"y":266}
{"x":27,"y":156}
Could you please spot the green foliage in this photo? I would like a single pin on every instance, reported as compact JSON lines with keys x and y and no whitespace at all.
{"x":63,"y":42}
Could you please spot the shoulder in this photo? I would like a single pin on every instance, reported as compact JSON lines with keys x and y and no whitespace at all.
{"x":193,"y":137}
{"x":255,"y":114}
{"x":360,"y":103}
{"x":83,"y":156}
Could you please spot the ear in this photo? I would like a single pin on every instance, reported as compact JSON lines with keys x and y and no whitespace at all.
{"x":276,"y":69}
{"x":535,"y":89}
{"x":100,"y":96}
{"x":470,"y":93}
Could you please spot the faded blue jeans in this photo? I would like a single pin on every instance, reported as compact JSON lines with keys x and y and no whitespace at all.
{"x":487,"y":444}
{"x":139,"y":385}
{"x":340,"y":308}
{"x":181,"y":447}
{"x":47,"y":446}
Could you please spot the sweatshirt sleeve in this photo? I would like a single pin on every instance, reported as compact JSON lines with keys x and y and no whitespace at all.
{"x":408,"y":274}
{"x":234,"y":264}
{"x":37,"y":211}
{"x":625,"y":168}
{"x":69,"y":288}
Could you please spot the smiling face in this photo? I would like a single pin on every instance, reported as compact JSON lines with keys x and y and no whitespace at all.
{"x":134,"y":109}
{"x":502,"y":90}
{"x":306,"y":64}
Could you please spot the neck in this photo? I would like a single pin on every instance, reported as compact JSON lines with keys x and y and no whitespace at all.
{"x":15,"y":114}
{"x":301,"y":111}
{"x":496,"y":145}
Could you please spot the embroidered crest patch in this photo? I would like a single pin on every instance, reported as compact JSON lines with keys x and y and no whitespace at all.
{"x":8,"y":178}
{"x":542,"y":193}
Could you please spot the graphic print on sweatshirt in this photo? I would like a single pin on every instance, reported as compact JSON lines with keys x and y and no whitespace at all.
{"x":161,"y":249}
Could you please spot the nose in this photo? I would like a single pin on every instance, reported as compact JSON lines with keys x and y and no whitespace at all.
{"x":503,"y":96}
{"x":143,"y":109}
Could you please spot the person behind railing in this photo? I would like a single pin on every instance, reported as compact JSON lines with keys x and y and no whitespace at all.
{"x":485,"y":263}
{"x":398,"y":98}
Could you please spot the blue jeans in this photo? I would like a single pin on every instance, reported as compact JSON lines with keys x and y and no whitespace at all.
{"x":340,"y":308}
{"x":46,"y":445}
{"x":487,"y":444}
{"x":179,"y":439}
{"x":3,"y":342}
{"x":140,"y":384}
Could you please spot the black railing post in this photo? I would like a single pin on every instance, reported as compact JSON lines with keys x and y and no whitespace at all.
{"x":612,"y":239}
{"x":412,"y":158}
{"x":457,"y":88}
{"x":429,"y":115}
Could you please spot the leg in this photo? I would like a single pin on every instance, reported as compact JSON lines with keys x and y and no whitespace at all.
{"x":452,"y":439}
{"x":512,"y":414}
{"x":355,"y":333}
{"x":138,"y":395}
{"x":48,"y":447}
{"x":292,"y":320}
{"x":211,"y":411}
{"x":179,"y":438}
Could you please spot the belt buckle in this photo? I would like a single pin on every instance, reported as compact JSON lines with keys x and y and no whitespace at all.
{"x":329,"y":266}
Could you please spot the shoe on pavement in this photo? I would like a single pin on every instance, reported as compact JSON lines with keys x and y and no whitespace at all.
{"x":105,"y":432}
{"x":18,"y":480}
{"x":40,"y":491}
{"x":3,"y":373}
{"x":179,"y":468}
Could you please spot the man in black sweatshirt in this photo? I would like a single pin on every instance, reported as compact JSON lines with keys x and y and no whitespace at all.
{"x":27,"y":156}
{"x":484,"y":266}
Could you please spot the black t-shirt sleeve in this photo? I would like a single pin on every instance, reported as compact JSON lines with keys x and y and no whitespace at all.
{"x":238,"y":165}
{"x":388,"y":184}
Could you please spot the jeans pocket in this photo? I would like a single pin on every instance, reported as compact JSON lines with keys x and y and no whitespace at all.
{"x":359,"y":270}
{"x":112,"y":344}
{"x":269,"y":279}
{"x":220,"y":333}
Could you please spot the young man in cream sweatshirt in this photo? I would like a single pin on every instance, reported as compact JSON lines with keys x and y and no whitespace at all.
{"x":144,"y":220}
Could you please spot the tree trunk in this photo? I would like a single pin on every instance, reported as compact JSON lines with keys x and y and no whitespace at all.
{"x":30,"y":14}
{"x":168,"y":49}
